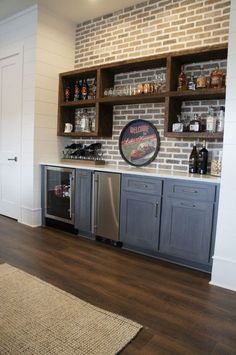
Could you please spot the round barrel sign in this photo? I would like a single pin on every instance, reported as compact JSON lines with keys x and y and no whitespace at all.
{"x":139,"y":142}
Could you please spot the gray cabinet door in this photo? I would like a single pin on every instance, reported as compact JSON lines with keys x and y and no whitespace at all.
{"x":186,"y":230}
{"x":83,"y":200}
{"x":139,"y":220}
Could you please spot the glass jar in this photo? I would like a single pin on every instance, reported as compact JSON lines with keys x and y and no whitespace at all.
{"x":216,"y":163}
{"x":217,"y":78}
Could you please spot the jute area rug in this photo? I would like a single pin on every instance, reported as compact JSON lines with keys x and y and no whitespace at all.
{"x":38,"y":318}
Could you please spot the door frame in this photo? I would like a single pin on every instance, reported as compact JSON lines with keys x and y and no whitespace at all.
{"x":5,"y":53}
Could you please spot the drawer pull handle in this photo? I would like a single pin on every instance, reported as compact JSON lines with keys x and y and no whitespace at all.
{"x":156,"y":213}
{"x":190,"y":191}
{"x":141,"y":186}
{"x":187,"y":204}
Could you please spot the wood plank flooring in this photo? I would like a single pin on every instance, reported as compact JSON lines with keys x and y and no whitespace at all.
{"x":181,"y":313}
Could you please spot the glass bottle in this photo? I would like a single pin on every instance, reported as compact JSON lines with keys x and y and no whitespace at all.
{"x":201,"y":80}
{"x":191,"y":83}
{"x":94,"y":89}
{"x":182,"y":80}
{"x":195,"y":124}
{"x":193,"y":160}
{"x":78,"y":120}
{"x":211,"y":121}
{"x":202,"y":160}
{"x":77,"y":91}
{"x":216,"y":163}
{"x":216,"y":78}
{"x":220,"y":120}
{"x":84,"y":90}
{"x":67,"y":93}
{"x":93,"y":124}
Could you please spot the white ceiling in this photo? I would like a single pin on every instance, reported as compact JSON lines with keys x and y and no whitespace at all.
{"x":74,"y":10}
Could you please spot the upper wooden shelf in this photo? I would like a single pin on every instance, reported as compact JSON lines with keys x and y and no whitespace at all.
{"x":79,"y":103}
{"x":106,"y":77}
{"x":133,"y":99}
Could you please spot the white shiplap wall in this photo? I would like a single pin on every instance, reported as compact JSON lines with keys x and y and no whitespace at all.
{"x":55,"y":54}
{"x":224,"y":264}
{"x":47,"y":43}
{"x":20,"y":31}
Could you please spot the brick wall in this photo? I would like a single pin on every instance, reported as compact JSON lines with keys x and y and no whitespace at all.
{"x":152,"y":27}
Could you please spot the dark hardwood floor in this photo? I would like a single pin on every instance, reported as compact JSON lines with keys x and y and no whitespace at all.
{"x":180,"y":312}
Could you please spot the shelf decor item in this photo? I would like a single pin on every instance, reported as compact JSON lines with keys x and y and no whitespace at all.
{"x":139,"y":142}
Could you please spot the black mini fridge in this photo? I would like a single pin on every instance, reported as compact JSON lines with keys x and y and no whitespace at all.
{"x":59,"y":193}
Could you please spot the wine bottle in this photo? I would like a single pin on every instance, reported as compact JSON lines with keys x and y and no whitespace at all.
{"x":84,"y":90}
{"x":77,"y":91}
{"x":202,"y":159}
{"x":67,"y":93}
{"x":193,"y":160}
{"x":182,"y":80}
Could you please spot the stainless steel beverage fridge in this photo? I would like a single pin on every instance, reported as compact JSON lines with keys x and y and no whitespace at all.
{"x":106,"y":204}
{"x":59,"y":194}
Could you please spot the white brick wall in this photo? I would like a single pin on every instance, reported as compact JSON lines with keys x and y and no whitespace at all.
{"x":152,"y":27}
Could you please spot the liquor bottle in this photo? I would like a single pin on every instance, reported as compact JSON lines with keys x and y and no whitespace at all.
{"x":195,"y":124}
{"x":220,"y":120}
{"x":94,"y":89}
{"x":93,"y":124}
{"x":78,"y":120}
{"x":67,"y":93}
{"x":201,"y":80}
{"x":182,"y":80}
{"x":193,"y":160}
{"x":202,"y":160}
{"x":191,"y":83}
{"x":77,"y":91}
{"x":211,"y":121}
{"x":84,"y":90}
{"x":217,"y":78}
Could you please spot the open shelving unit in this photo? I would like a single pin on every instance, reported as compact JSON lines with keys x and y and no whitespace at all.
{"x":105,"y":76}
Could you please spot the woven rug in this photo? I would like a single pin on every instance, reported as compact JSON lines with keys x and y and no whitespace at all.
{"x":38,"y":318}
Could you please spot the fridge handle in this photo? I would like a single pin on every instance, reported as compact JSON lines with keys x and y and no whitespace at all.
{"x":94,"y":203}
{"x":70,"y":196}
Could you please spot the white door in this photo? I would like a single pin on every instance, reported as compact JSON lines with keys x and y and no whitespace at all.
{"x":10,"y":133}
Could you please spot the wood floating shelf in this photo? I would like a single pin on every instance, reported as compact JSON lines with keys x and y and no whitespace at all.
{"x":105,"y":76}
{"x":201,"y":135}
{"x":78,"y":134}
{"x":133,"y":99}
{"x":200,"y":94}
{"x":80,"y":103}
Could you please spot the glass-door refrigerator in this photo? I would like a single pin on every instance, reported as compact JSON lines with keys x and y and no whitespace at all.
{"x":59,"y":194}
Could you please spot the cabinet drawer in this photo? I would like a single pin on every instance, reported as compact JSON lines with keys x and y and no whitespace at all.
{"x":142,"y":184}
{"x":190,"y":190}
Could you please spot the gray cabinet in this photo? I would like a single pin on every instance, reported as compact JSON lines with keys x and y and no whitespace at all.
{"x":188,"y":212}
{"x":83,"y":201}
{"x":140,"y":212}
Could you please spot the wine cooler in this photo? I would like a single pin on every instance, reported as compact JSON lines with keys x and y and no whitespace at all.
{"x":59,"y":194}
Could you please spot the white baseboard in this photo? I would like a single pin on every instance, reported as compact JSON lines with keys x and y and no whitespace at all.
{"x":31,"y":216}
{"x":224,"y":273}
